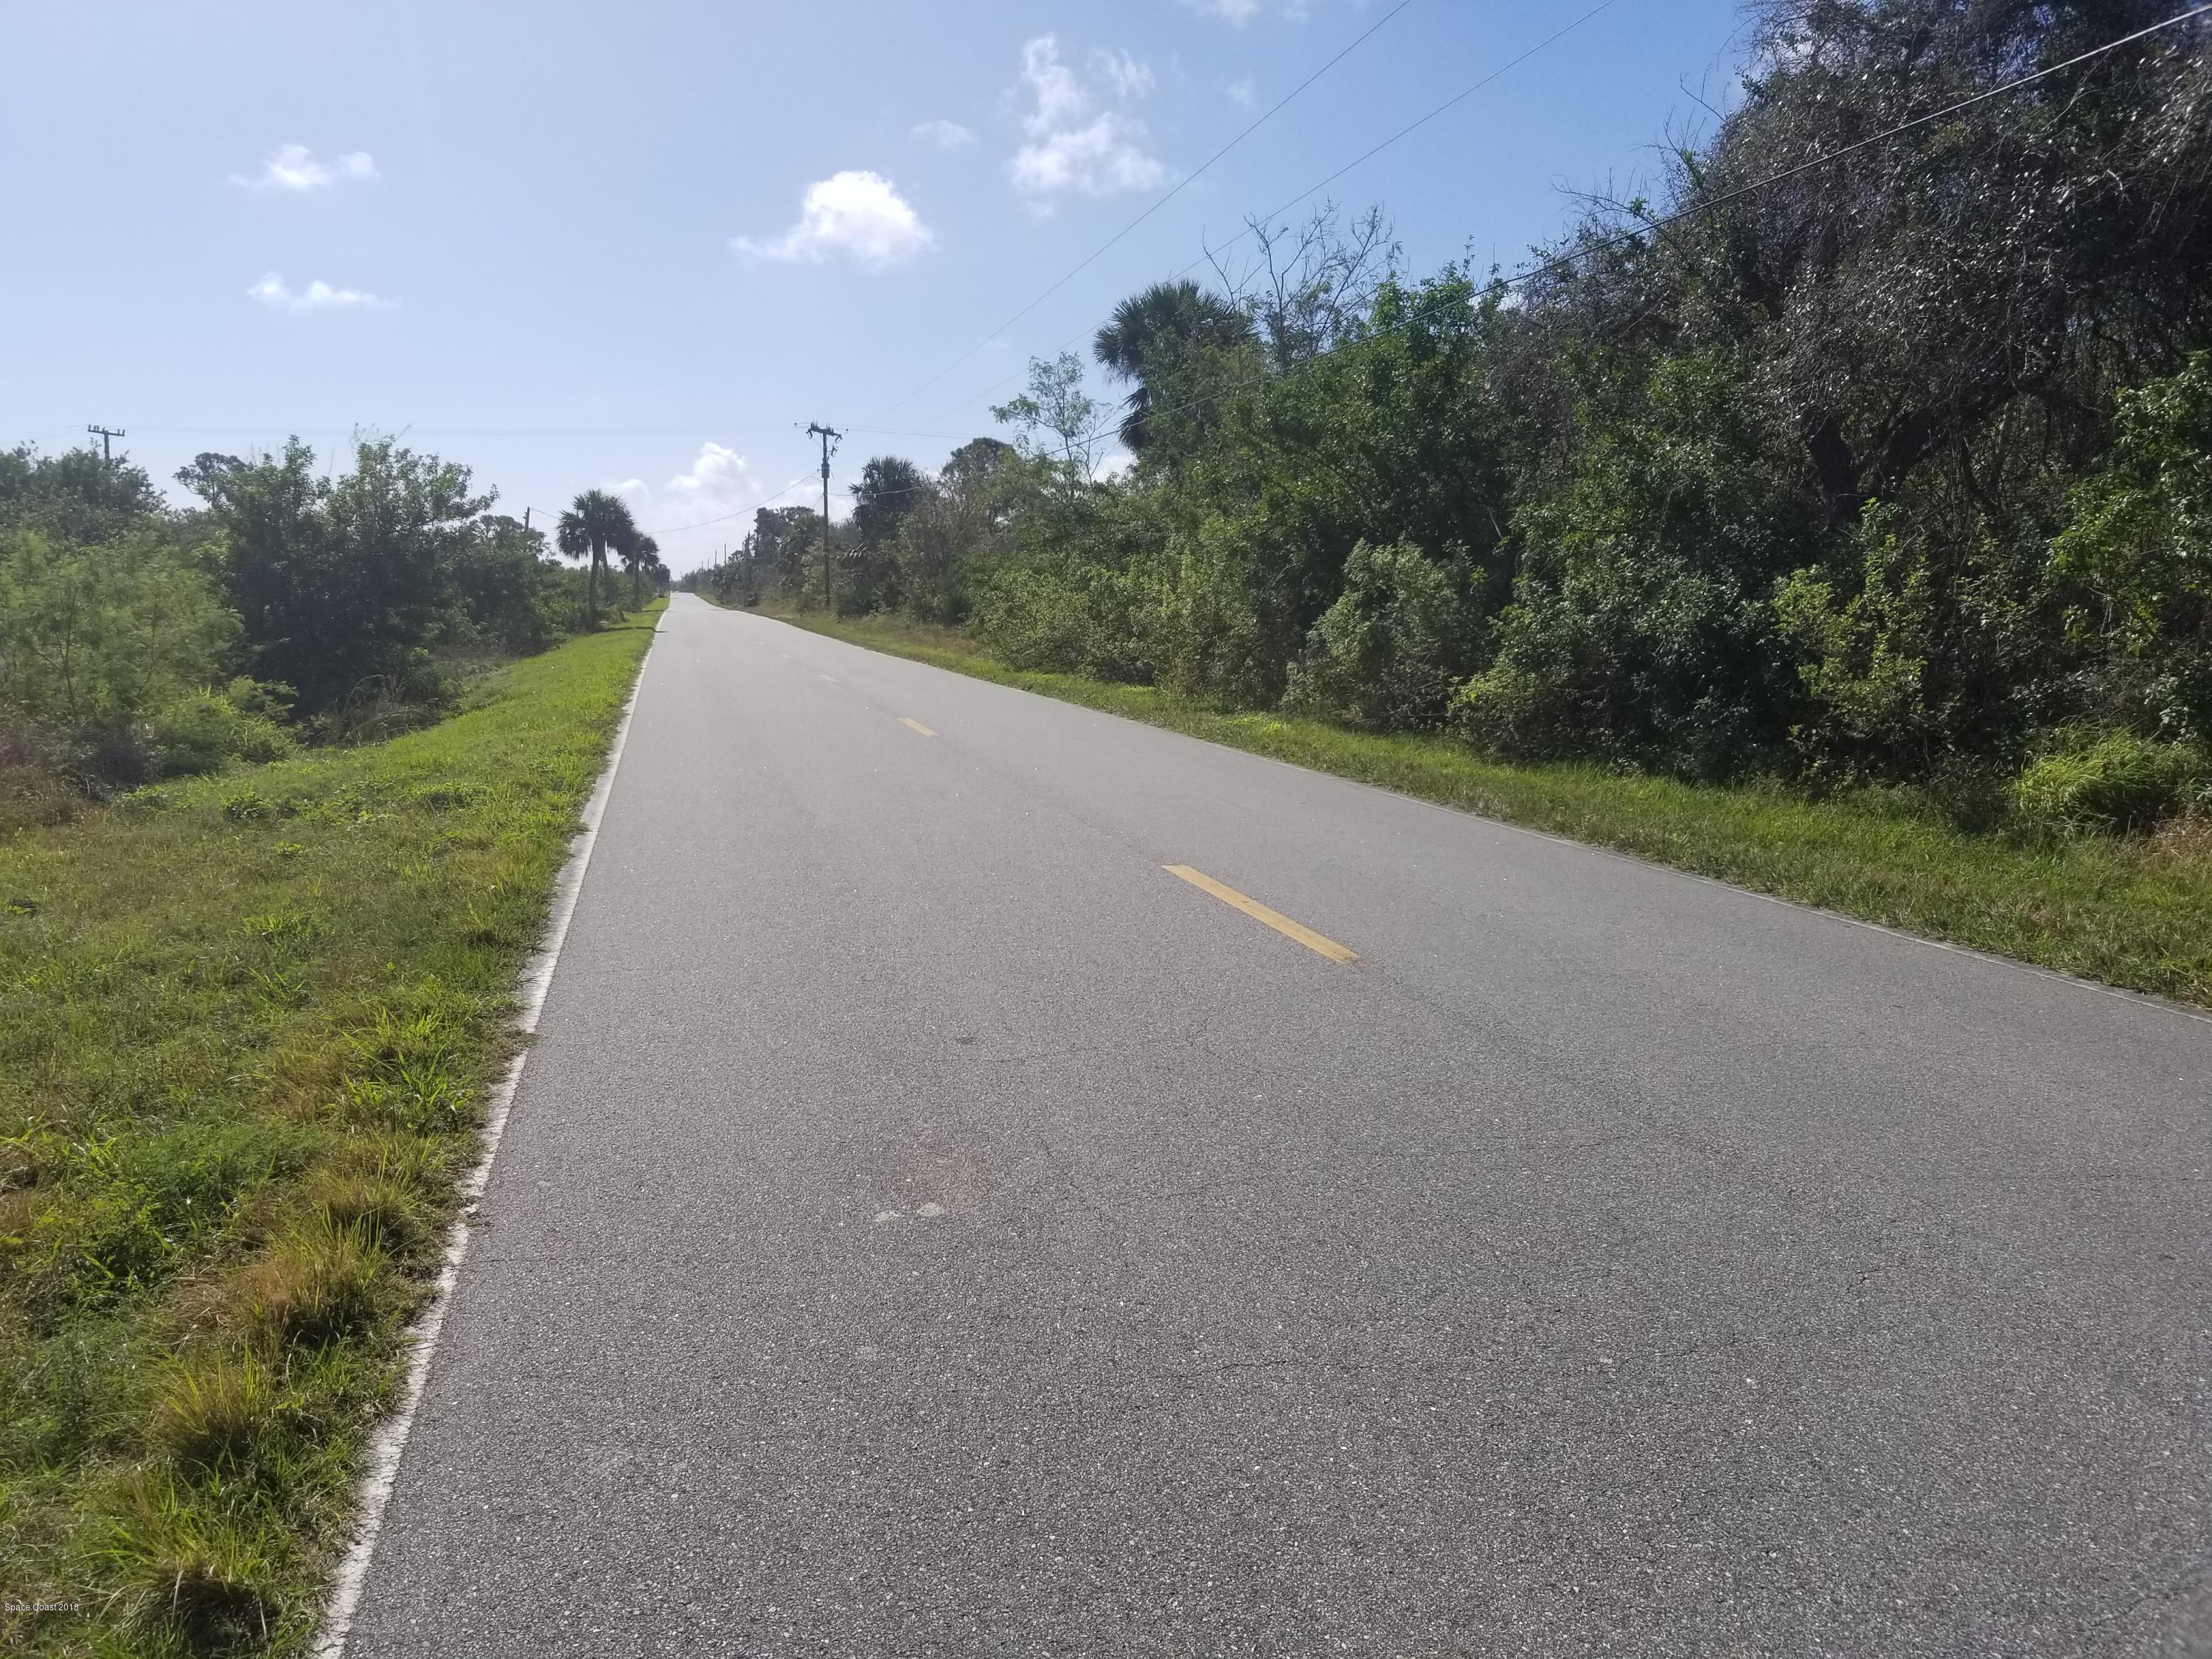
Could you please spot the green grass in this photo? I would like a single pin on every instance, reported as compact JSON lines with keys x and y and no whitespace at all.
{"x":247,"y":1025}
{"x":2127,"y":911}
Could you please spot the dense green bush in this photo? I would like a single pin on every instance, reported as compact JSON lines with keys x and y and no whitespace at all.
{"x":1388,"y":653}
{"x":132,"y":636}
{"x":1083,"y":594}
{"x":99,"y":637}
{"x":206,"y":729}
{"x":342,"y":583}
{"x":2119,"y":781}
{"x":2140,"y":541}
{"x":511,"y":599}
{"x":77,"y":496}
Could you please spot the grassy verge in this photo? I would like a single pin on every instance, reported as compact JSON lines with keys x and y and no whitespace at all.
{"x":2128,"y":911}
{"x":247,"y":1027}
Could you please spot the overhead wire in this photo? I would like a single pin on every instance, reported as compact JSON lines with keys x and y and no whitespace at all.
{"x":1179,"y":186}
{"x":1361,"y":160}
{"x":1652,"y":227}
{"x":696,"y":427}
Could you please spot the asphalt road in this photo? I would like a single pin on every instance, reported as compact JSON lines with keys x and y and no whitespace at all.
{"x":929,"y":1227}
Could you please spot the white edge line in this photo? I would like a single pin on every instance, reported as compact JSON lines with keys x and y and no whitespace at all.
{"x":377,"y":1480}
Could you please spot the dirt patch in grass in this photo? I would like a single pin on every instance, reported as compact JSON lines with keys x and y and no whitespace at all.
{"x":247,"y":1025}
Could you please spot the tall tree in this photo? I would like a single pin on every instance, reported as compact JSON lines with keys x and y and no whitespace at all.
{"x":79,"y":494}
{"x":342,"y":584}
{"x":1055,"y":420}
{"x":959,"y":529}
{"x":891,"y":487}
{"x":1155,"y":337}
{"x":639,"y":552}
{"x":594,"y":523}
{"x":891,"y":490}
{"x":1307,"y":287}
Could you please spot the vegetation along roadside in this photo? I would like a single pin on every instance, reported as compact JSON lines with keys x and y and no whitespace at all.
{"x":1831,"y":512}
{"x":2130,"y":910}
{"x":247,"y":1023}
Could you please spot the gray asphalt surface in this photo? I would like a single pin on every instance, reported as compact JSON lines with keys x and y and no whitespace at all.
{"x":927,"y":1227}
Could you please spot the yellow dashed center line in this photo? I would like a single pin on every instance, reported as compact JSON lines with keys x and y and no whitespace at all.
{"x":1259,"y":912}
{"x":916,"y":726}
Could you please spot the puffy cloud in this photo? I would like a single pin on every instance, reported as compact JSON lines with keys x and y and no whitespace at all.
{"x":719,"y":479}
{"x":701,"y":510}
{"x":295,"y":168}
{"x":1239,"y":12}
{"x":1242,"y":93}
{"x":856,"y":215}
{"x":1074,"y":145}
{"x":273,"y":292}
{"x":946,"y":134}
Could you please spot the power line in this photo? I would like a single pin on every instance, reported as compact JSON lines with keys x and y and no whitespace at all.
{"x":695,"y":428}
{"x":1452,"y":102}
{"x":1566,"y":261}
{"x":1180,"y":185}
{"x":1651,"y":227}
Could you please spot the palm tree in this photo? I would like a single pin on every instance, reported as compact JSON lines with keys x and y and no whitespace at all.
{"x":595,"y":522}
{"x":641,"y":553}
{"x":1167,"y":327}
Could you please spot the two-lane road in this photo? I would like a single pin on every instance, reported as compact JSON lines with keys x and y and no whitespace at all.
{"x":997,"y":1180}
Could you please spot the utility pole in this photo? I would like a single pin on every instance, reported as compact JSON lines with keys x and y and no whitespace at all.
{"x":828,"y":436}
{"x":107,"y":435}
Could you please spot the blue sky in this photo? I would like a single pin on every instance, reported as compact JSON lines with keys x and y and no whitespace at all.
{"x":644,"y":245}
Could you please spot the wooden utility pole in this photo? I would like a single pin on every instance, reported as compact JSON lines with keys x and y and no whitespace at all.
{"x":107,"y":435}
{"x":828,"y":436}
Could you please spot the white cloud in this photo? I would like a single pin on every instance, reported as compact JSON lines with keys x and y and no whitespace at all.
{"x":1242,"y":93}
{"x":856,"y":215}
{"x":703,"y":509}
{"x":719,"y":479}
{"x":1127,"y":74}
{"x":275,"y":293}
{"x":1239,"y":12}
{"x":946,"y":134}
{"x":1074,"y":145}
{"x":294,"y":168}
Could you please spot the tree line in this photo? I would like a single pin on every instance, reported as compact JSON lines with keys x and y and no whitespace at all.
{"x":139,"y":641}
{"x":1885,"y":475}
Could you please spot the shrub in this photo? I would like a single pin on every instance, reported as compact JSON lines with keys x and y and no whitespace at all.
{"x":2139,"y":537}
{"x":95,"y":640}
{"x":1384,"y":655}
{"x":1065,"y":616}
{"x":206,"y":729}
{"x":2116,"y":782}
{"x":344,"y":583}
{"x":376,"y":1208}
{"x":194,"y":1580}
{"x":318,"y":1284}
{"x":511,"y":599}
{"x":210,"y":1415}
